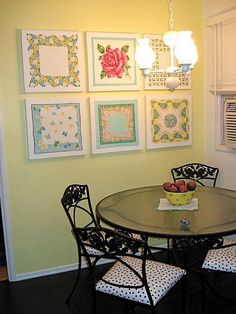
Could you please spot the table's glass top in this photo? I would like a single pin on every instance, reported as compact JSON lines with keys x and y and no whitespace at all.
{"x":136,"y":210}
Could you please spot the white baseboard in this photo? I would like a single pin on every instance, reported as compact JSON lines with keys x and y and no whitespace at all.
{"x":54,"y":271}
{"x":60,"y":269}
{"x":71,"y":267}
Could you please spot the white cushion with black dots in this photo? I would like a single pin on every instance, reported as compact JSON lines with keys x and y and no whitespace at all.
{"x":91,"y":251}
{"x":136,"y":236}
{"x":223,"y":259}
{"x":160,"y":278}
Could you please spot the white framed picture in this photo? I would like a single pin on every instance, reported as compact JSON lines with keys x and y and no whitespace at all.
{"x":111,"y":61}
{"x":168,"y":120}
{"x":52,"y":61}
{"x":116,"y":124}
{"x":156,"y":80}
{"x":55,"y":127}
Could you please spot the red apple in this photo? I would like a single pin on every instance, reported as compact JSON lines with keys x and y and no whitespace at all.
{"x":166,"y":185}
{"x":183,"y":189}
{"x":173,"y":189}
{"x":180,"y":182}
{"x":191,"y":185}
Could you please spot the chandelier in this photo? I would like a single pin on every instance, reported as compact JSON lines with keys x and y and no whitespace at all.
{"x":181,"y":47}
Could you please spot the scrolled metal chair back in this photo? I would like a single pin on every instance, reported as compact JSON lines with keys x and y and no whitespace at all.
{"x":109,"y":242}
{"x":76,"y":199}
{"x":115,"y":245}
{"x":197,"y":172}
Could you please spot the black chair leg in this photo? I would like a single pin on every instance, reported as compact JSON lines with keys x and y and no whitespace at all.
{"x":203,"y":292}
{"x":94,"y":299}
{"x":129,"y":307}
{"x":184,"y":295}
{"x":217,"y":296}
{"x":153,"y":310}
{"x":77,"y":279}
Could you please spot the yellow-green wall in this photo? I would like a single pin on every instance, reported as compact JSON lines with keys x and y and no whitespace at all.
{"x":40,"y":231}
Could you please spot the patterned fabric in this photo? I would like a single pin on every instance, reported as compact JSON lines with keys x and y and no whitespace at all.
{"x":160,"y":278}
{"x":56,"y":127}
{"x":136,"y":236}
{"x":92,"y":251}
{"x":130,"y":234}
{"x":156,"y":80}
{"x":36,"y":45}
{"x":222,"y":259}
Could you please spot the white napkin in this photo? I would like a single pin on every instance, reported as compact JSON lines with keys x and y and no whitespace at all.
{"x":166,"y":205}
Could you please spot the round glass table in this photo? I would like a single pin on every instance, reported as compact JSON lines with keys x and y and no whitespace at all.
{"x":136,"y":210}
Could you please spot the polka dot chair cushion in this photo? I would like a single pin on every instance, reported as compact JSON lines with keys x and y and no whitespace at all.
{"x":160,"y":277}
{"x":91,"y":251}
{"x":222,"y":259}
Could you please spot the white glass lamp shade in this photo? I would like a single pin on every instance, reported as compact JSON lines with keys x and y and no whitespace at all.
{"x":171,"y":38}
{"x":185,"y":50}
{"x":144,"y":55}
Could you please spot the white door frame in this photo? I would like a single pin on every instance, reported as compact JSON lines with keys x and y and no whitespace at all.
{"x":5,"y":212}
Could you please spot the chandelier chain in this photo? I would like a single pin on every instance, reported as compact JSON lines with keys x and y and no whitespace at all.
{"x":171,"y":19}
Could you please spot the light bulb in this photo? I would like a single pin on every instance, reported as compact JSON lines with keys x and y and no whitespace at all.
{"x":185,"y":50}
{"x":171,"y":38}
{"x":144,"y":55}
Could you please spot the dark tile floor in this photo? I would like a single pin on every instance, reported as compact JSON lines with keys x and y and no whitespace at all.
{"x":46,"y":295}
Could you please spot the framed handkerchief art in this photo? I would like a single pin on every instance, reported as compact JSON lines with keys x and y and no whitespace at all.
{"x":52,"y":61}
{"x":116,"y":124}
{"x":168,"y":120}
{"x":111,"y":62}
{"x":156,"y":79}
{"x":55,"y":127}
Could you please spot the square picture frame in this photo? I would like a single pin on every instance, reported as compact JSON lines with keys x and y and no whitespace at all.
{"x":156,"y":81}
{"x":168,"y":120}
{"x":111,"y":61}
{"x":116,"y":124}
{"x":52,"y":61}
{"x":55,"y":127}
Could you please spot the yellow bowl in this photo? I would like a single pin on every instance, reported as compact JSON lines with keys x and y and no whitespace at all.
{"x":179,"y":199}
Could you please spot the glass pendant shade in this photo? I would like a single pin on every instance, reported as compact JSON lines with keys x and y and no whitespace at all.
{"x":144,"y":55}
{"x":185,"y":50}
{"x":171,"y":38}
{"x":182,"y":51}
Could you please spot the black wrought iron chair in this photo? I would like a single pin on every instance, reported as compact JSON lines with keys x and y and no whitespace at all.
{"x":221,"y":258}
{"x":132,"y":276}
{"x":198,"y":172}
{"x":76,"y":196}
{"x":78,"y":208}
{"x":201,"y":173}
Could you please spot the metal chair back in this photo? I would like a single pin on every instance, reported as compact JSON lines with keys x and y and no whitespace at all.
{"x":77,"y":204}
{"x":200,"y":173}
